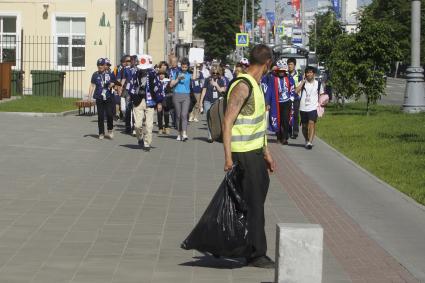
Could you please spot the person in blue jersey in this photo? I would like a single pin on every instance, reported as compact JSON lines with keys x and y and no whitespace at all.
{"x":181,"y":98}
{"x":213,"y":88}
{"x":101,"y":85}
{"x":125,"y":75}
{"x":142,"y":93}
{"x":298,"y":77}
{"x":162,"y":92}
{"x":279,"y":91}
{"x":172,"y":71}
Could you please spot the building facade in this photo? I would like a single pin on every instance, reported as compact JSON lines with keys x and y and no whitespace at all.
{"x":69,"y":36}
{"x":184,"y":16}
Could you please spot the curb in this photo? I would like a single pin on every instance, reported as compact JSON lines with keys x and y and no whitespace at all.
{"x":388,"y":186}
{"x":35,"y":114}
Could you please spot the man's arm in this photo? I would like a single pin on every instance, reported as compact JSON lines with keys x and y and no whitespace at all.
{"x":234,"y":105}
{"x":201,"y":100}
{"x":299,"y":88}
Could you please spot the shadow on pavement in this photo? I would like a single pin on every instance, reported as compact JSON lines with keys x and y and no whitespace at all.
{"x":204,"y":139}
{"x":91,"y":136}
{"x":172,"y":137}
{"x":211,"y":262}
{"x":296,"y":145}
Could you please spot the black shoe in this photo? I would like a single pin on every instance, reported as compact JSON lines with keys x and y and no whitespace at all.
{"x":261,"y":262}
{"x":285,"y":142}
{"x":141,"y":143}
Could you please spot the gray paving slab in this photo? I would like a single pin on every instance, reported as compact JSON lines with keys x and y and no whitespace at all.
{"x":76,"y":209}
{"x":389,"y":217}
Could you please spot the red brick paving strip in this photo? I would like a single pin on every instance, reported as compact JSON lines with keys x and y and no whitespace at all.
{"x":363,"y":259}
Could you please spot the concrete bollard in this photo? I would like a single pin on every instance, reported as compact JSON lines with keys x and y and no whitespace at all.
{"x":299,"y":253}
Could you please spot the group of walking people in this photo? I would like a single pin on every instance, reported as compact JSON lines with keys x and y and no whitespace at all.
{"x":136,"y":89}
{"x":179,"y":93}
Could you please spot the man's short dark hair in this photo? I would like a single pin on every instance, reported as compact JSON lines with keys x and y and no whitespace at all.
{"x":309,"y":68}
{"x":163,"y":63}
{"x":124,"y":58}
{"x":292,"y":60}
{"x":260,"y":54}
{"x":185,"y":61}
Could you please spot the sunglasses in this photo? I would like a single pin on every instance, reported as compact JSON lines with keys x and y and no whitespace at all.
{"x":128,"y":61}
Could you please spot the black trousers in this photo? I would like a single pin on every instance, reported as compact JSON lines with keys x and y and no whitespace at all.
{"x":128,"y":113}
{"x":285,"y":112}
{"x":163,"y":116}
{"x":105,"y":107}
{"x":255,"y":185}
{"x":294,"y":129}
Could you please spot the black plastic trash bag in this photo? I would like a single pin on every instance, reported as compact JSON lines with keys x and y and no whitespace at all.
{"x":222,"y":229}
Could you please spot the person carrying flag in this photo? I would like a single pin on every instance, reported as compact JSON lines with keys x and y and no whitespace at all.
{"x":279,"y":89}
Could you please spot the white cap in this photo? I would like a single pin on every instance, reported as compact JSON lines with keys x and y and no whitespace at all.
{"x":282,"y":65}
{"x":144,"y":62}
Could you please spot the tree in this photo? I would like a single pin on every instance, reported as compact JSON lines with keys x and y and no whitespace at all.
{"x":377,"y":50}
{"x":217,"y":22}
{"x":397,"y":13}
{"x":328,"y":28}
{"x":358,"y":62}
{"x":217,"y":25}
{"x":342,"y":67}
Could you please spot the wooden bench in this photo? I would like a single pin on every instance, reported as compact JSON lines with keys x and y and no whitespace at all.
{"x":86,"y":104}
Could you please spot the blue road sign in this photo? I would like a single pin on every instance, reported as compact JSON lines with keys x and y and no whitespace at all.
{"x":242,"y":39}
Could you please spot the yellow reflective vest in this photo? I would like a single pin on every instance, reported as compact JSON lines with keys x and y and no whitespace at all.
{"x":249,"y":132}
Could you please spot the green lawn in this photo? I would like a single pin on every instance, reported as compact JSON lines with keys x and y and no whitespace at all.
{"x":47,"y":104}
{"x":388,"y":143}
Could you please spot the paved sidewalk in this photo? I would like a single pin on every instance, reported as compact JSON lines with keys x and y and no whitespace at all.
{"x":390,"y":218}
{"x":76,"y":209}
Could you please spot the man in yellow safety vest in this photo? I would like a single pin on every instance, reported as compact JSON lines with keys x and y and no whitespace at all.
{"x":245,"y":143}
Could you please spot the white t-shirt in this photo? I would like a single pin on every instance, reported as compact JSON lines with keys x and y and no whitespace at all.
{"x":310,"y":97}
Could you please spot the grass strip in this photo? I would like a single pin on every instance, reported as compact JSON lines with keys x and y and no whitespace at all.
{"x":388,"y":143}
{"x":39,"y":104}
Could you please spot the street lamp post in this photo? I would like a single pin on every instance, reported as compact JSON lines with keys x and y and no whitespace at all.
{"x":414,"y":98}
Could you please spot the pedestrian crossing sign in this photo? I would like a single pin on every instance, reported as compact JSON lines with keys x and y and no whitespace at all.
{"x":242,"y":39}
{"x":280,"y":30}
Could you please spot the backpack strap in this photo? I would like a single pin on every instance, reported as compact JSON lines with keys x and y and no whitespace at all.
{"x":318,"y":89}
{"x":234,"y":81}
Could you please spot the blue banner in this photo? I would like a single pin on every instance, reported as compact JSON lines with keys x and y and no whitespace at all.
{"x":248,"y":26}
{"x":336,"y":7}
{"x":271,"y":17}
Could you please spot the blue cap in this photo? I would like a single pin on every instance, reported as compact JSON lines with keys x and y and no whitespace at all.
{"x":107,"y":61}
{"x":101,"y":61}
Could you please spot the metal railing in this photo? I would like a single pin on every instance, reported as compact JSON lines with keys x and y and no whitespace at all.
{"x":46,"y":65}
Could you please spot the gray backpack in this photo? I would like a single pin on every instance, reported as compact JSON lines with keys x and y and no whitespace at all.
{"x":215,"y":115}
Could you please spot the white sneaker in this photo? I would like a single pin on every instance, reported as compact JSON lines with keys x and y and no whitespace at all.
{"x":111,"y":135}
{"x":101,"y":136}
{"x":195,"y":120}
{"x":309,"y":145}
{"x":185,"y":137}
{"x":134,"y":133}
{"x":179,"y":138}
{"x":191,"y":119}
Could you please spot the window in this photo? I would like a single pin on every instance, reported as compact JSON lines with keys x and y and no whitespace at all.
{"x":8,"y":39}
{"x":181,"y":20}
{"x":71,"y":41}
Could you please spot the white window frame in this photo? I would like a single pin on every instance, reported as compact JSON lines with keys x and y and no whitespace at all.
{"x":17,"y":36}
{"x":55,"y":46}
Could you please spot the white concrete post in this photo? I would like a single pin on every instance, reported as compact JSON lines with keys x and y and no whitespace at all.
{"x":299,"y":253}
